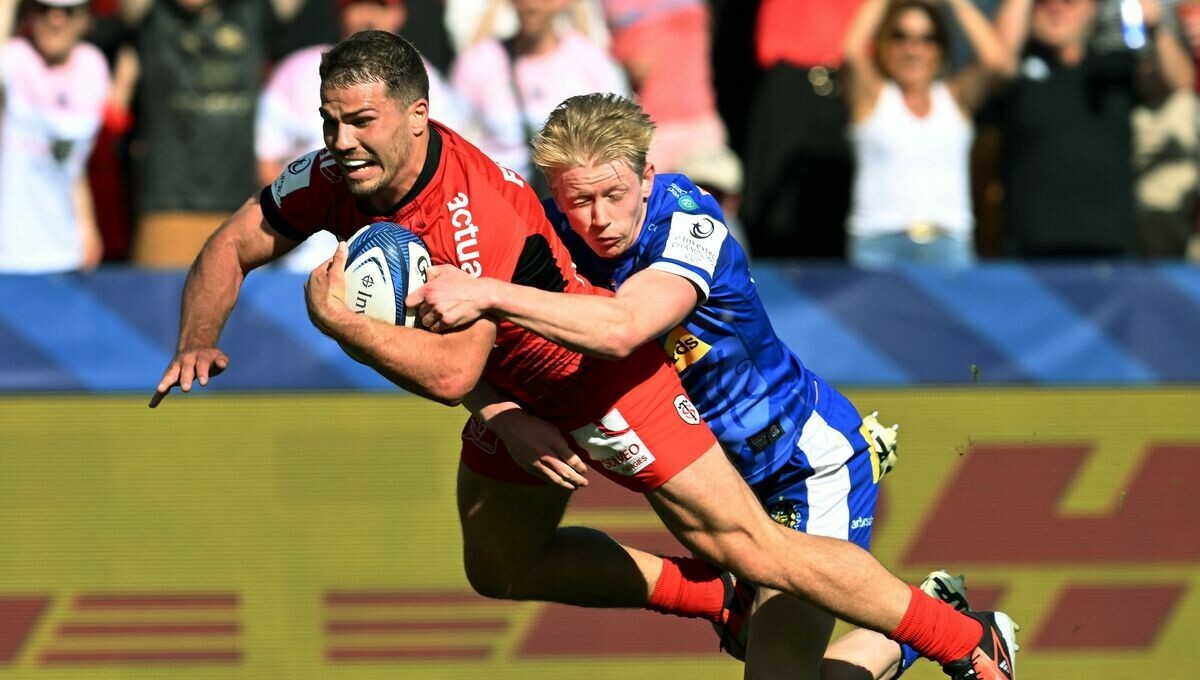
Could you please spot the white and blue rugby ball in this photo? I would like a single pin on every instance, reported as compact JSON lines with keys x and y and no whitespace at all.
{"x":385,"y":262}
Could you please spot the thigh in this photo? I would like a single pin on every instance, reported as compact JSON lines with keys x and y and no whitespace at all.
{"x":651,"y":432}
{"x":709,"y":508}
{"x":506,"y":527}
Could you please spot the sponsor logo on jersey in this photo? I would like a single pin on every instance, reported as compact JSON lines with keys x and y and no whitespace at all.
{"x":686,"y":410}
{"x":300,"y":164}
{"x":613,"y":444}
{"x":676,"y":190}
{"x":688,"y":203}
{"x":684,"y":348}
{"x":695,"y":240}
{"x":703,"y":227}
{"x":785,"y":513}
{"x":862,"y":522}
{"x":510,"y":176}
{"x":478,"y":434}
{"x":466,"y":246}
{"x":293,"y":178}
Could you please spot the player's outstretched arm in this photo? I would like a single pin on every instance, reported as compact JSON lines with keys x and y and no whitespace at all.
{"x":243,"y":242}
{"x":646,"y":305}
{"x":442,"y":367}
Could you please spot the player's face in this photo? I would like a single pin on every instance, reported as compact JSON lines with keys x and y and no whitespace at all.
{"x":605,"y":204}
{"x":370,"y":136}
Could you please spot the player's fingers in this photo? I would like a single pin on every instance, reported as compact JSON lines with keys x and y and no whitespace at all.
{"x":565,"y":472}
{"x":417,"y":299}
{"x":170,"y":377}
{"x":575,"y":462}
{"x":318,"y":270}
{"x":202,"y":366}
{"x":187,"y":372}
{"x":157,"y":398}
{"x":540,"y":469}
{"x":339,"y":255}
{"x":219,"y":364}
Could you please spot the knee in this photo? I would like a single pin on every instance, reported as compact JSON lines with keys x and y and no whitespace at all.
{"x":489,"y":577}
{"x":757,"y":557}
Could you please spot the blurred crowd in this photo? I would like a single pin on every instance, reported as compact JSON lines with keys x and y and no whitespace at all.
{"x":880,"y":132}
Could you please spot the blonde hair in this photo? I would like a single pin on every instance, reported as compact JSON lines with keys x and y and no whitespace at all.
{"x":590,"y":129}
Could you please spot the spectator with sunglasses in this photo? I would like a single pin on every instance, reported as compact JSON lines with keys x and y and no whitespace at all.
{"x":53,"y":88}
{"x":910,"y":125}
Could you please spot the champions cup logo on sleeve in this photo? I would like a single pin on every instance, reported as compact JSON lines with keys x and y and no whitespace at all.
{"x":293,"y":178}
{"x":613,"y":444}
{"x":465,"y":244}
{"x":695,"y":240}
{"x":300,"y":164}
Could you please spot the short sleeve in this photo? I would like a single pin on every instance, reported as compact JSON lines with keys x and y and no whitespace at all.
{"x":690,"y":245}
{"x":298,"y":203}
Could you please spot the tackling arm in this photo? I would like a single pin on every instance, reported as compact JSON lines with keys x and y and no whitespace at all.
{"x":645,"y":306}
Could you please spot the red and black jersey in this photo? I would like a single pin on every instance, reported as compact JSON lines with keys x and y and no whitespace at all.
{"x":478,"y":216}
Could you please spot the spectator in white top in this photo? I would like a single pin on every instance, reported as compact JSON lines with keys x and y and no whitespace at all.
{"x":287,"y":124}
{"x":511,"y":86}
{"x":53,"y":89}
{"x":911,"y":130}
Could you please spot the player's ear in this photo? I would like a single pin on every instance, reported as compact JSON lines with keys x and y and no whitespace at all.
{"x":647,"y":181}
{"x":418,"y":113}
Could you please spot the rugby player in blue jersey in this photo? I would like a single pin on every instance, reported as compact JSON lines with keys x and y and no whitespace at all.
{"x":682,"y":280}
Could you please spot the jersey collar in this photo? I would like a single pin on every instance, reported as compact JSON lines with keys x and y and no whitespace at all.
{"x":433,"y":157}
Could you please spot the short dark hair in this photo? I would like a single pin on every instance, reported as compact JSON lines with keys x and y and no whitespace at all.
{"x":377,"y":57}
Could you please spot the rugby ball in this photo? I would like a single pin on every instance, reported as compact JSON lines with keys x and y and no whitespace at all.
{"x":384,"y":263}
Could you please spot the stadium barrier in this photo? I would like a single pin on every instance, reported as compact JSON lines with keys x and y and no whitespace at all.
{"x":1000,"y":324}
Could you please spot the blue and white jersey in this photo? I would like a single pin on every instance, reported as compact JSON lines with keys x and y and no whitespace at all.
{"x":751,"y":388}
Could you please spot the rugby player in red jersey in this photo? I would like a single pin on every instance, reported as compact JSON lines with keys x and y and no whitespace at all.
{"x":385,"y":161}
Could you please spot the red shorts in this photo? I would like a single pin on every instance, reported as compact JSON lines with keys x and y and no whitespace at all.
{"x":645,"y":438}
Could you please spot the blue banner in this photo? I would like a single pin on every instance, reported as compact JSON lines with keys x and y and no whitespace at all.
{"x":114,"y":330}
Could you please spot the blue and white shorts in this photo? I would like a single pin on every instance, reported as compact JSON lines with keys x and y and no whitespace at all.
{"x":829,"y":488}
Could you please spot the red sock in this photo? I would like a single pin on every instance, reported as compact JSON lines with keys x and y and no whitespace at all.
{"x":689,"y":588}
{"x":937,"y":630}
